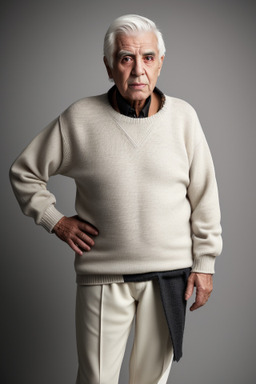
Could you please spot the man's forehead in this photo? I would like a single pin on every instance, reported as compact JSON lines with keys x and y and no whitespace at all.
{"x":145,"y":41}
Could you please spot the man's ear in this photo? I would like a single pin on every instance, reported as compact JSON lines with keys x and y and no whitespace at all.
{"x":160,"y":64}
{"x":109,"y":70}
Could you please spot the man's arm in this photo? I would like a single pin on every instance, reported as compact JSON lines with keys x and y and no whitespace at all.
{"x":29,"y":175}
{"x":205,"y":220}
{"x":30,"y":172}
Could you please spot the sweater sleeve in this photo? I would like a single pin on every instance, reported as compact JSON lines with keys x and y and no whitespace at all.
{"x":30,"y":172}
{"x":204,"y":200}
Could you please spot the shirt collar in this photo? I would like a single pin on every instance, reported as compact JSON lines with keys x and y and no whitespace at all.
{"x":125,"y":108}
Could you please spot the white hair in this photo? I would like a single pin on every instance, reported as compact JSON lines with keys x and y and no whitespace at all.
{"x":129,"y":24}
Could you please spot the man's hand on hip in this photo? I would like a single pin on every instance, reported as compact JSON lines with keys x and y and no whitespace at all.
{"x":203,"y":283}
{"x":76,"y":233}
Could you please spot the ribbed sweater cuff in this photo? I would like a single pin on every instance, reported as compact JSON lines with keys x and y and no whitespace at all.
{"x":204,"y":264}
{"x":50,"y":218}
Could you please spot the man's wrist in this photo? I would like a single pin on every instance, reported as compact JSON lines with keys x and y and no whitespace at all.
{"x":204,"y":264}
{"x":50,"y":218}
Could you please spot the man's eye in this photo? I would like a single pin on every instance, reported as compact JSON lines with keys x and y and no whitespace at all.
{"x":126,"y":59}
{"x":149,"y":58}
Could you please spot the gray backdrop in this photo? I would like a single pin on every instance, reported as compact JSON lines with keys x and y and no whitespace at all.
{"x":51,"y":56}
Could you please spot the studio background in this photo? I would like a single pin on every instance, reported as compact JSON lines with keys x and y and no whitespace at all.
{"x":51,"y":55}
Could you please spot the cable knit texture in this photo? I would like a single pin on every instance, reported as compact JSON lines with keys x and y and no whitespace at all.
{"x":147,"y":184}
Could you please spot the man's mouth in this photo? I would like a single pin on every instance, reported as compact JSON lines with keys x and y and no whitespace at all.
{"x":137,"y":85}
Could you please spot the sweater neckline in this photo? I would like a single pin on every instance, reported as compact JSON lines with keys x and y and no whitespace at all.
{"x":131,"y":120}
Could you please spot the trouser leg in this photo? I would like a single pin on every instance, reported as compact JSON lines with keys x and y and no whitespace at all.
{"x":152,"y":351}
{"x":104,"y":316}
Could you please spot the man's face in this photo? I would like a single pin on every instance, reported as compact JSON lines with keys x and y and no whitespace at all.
{"x":136,"y":65}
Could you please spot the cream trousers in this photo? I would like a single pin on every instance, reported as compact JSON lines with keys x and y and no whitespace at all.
{"x":104,"y":317}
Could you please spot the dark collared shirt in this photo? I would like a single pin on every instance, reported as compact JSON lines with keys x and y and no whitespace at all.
{"x":125,"y":108}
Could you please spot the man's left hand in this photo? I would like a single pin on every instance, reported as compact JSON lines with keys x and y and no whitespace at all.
{"x":203,"y":283}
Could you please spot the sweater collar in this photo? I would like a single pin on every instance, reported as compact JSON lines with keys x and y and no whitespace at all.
{"x":125,"y":108}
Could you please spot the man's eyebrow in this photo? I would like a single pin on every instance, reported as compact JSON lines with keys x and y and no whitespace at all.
{"x":123,"y":53}
{"x":150,"y":53}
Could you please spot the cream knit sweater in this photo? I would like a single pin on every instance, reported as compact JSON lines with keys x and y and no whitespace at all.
{"x":148,"y":185}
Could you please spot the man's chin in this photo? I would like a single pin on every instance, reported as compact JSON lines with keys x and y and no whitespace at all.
{"x":137,"y":95}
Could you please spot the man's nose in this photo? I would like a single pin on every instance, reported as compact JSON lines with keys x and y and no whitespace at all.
{"x":138,"y":68}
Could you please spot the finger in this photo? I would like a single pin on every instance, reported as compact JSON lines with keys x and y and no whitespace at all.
{"x":190,"y":288}
{"x":193,"y":307}
{"x":197,"y":304}
{"x":85,"y":227}
{"x":201,"y":299}
{"x":79,"y":246}
{"x":85,"y":239}
{"x":75,"y":247}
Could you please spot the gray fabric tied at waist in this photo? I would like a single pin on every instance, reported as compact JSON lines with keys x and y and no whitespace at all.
{"x":172,"y":286}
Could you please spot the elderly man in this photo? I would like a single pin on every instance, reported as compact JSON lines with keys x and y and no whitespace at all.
{"x":147,"y":228}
